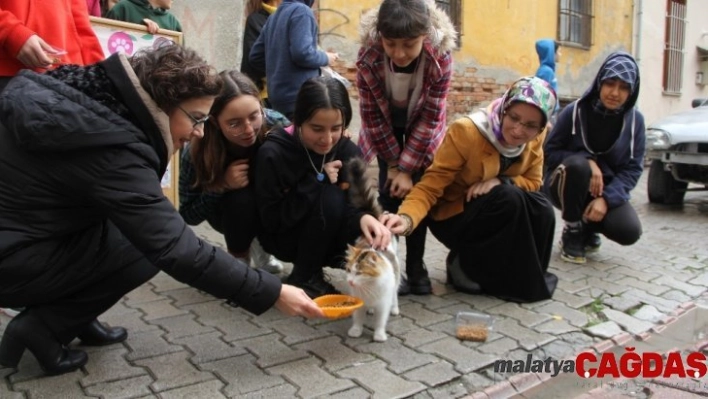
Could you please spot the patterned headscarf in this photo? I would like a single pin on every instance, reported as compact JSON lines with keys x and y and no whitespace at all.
{"x":620,"y":67}
{"x":530,"y":90}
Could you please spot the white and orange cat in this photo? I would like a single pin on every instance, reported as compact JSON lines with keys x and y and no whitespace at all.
{"x":372,"y":275}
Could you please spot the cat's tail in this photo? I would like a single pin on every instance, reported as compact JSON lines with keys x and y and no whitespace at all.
{"x":363,"y":190}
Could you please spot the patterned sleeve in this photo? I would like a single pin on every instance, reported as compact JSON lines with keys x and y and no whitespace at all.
{"x":376,"y":128}
{"x":194,"y":204}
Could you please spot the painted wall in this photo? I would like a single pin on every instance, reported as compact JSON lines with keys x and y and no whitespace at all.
{"x":214,"y":28}
{"x":497,"y":44}
{"x":649,"y":50}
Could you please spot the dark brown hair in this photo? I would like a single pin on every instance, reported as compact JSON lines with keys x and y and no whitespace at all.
{"x":322,"y":92}
{"x":173,"y":74}
{"x":209,"y":153}
{"x":253,"y":6}
{"x":403,"y":19}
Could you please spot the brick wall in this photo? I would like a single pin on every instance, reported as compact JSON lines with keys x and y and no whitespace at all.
{"x":467,"y":91}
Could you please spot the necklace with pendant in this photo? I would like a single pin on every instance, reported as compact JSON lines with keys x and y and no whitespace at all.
{"x":320,"y":173}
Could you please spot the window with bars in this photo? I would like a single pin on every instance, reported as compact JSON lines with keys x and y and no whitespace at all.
{"x":575,"y":22}
{"x":674,"y":44}
{"x":453,"y":8}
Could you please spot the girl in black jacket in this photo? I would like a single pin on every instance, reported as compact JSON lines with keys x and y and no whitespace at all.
{"x":83,"y":219}
{"x":305,"y":213}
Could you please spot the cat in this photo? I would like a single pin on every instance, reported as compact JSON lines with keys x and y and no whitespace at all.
{"x":372,"y":275}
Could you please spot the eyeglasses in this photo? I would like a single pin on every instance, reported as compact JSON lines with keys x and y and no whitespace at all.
{"x":196,"y":121}
{"x":528,"y":128}
{"x":238,"y":127}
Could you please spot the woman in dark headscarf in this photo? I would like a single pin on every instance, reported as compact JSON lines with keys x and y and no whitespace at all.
{"x":594,"y":159}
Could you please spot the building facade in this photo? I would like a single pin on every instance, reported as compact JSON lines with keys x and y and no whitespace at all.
{"x":671,"y":47}
{"x":497,"y":41}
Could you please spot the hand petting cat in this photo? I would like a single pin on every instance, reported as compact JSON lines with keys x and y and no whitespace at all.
{"x":376,"y":234}
{"x":294,"y":301}
{"x":395,"y":223}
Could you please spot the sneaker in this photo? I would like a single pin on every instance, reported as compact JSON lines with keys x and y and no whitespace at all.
{"x":592,"y":242}
{"x":12,"y":312}
{"x":417,"y":282}
{"x":573,"y":245}
{"x":263,"y":260}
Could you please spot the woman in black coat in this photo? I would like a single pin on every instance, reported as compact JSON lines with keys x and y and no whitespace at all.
{"x":83,"y":219}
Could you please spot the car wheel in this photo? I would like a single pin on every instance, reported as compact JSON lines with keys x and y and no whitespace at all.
{"x":662,"y":187}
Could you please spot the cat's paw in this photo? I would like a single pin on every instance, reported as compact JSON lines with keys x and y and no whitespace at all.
{"x":395,"y":311}
{"x":355,"y":331}
{"x":380,"y":336}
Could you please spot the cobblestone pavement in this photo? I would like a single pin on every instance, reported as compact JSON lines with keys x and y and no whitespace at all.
{"x":184,"y":343}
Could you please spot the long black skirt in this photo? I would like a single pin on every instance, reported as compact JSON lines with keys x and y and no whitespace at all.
{"x":504,"y":240}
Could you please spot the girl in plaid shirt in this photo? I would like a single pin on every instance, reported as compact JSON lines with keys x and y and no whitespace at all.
{"x":404,"y":70}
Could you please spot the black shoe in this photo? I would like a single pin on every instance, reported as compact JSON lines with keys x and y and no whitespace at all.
{"x":592,"y":242}
{"x":417,"y":281}
{"x":316,"y":286}
{"x":457,"y":278}
{"x":573,"y":245}
{"x":28,"y":332}
{"x":96,"y":334}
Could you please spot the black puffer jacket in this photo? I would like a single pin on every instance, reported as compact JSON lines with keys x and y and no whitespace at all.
{"x":70,"y":165}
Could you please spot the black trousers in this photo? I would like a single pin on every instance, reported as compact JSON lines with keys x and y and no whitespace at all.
{"x":68,"y":283}
{"x":319,"y":241}
{"x":415,"y":242}
{"x":237,"y":219}
{"x":504,"y":240}
{"x":568,"y":188}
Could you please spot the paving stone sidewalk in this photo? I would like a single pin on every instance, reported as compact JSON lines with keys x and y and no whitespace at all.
{"x":184,"y":343}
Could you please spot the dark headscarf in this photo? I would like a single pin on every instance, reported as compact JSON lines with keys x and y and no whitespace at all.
{"x":618,"y":66}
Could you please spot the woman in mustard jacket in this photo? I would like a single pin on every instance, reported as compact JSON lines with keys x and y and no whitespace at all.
{"x":482,"y":200}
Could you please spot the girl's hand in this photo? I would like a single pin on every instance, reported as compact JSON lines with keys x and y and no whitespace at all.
{"x":294,"y":301}
{"x":35,"y":53}
{"x":152,"y":26}
{"x":390,"y":175}
{"x":331,"y":58}
{"x":376,"y":234}
{"x":395,"y":223}
{"x":331,"y":169}
{"x":596,"y":183}
{"x":236,"y":176}
{"x":596,"y":210}
{"x":482,"y":187}
{"x":401,"y":185}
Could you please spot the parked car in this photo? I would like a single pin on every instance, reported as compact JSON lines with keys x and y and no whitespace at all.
{"x":677,"y":147}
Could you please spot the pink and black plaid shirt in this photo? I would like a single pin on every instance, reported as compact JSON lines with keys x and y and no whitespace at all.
{"x":425,"y":128}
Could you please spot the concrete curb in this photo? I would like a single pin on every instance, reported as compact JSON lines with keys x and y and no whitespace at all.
{"x":517,"y":384}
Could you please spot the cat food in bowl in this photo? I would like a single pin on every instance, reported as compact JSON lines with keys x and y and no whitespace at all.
{"x":338,"y":306}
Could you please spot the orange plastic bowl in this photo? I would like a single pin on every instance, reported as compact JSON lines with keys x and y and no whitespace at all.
{"x":338,"y":306}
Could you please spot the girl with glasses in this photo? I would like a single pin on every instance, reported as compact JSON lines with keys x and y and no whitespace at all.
{"x":83,"y":218}
{"x":481,"y":198}
{"x":216,"y":174}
